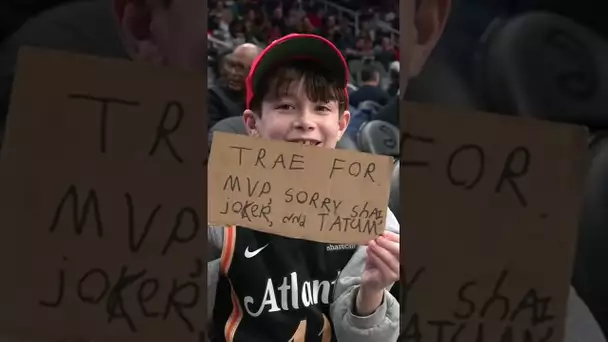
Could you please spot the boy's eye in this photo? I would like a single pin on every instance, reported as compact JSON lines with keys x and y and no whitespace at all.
{"x":284,"y":106}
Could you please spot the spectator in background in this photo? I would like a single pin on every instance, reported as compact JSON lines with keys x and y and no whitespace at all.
{"x":390,"y":16}
{"x":218,"y":68}
{"x":331,"y":30}
{"x":386,"y":52}
{"x":296,"y":26}
{"x":316,"y":17}
{"x":263,"y":22}
{"x":368,"y":28}
{"x":275,"y":32}
{"x":337,"y":38}
{"x":224,"y":27}
{"x":370,"y":88}
{"x":277,"y":13}
{"x":393,"y":72}
{"x":216,"y":9}
{"x":364,"y":48}
{"x":227,"y":98}
{"x":237,"y":33}
{"x":252,"y":32}
{"x":308,"y":27}
{"x":346,"y":33}
{"x":251,"y":14}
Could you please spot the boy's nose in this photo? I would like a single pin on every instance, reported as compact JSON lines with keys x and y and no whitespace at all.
{"x":304,"y":122}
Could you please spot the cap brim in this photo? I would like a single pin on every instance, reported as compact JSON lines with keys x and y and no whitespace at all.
{"x":301,"y":46}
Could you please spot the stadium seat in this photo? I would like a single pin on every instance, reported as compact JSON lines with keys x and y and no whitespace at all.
{"x":370,"y":105}
{"x":544,"y":66}
{"x":384,"y":76}
{"x":355,"y":66}
{"x":236,"y":125}
{"x":232,"y":124}
{"x":379,"y":137}
{"x":346,"y":143}
{"x":590,"y":276}
{"x":440,"y":84}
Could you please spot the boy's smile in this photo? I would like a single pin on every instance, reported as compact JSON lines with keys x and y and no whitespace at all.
{"x":294,"y":117}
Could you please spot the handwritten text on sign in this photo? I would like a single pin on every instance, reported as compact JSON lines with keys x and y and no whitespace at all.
{"x":492,"y":205}
{"x":103,"y":189}
{"x":306,"y":192}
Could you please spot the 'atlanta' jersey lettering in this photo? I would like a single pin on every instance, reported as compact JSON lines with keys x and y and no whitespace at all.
{"x":291,"y":295}
{"x":283,"y":292}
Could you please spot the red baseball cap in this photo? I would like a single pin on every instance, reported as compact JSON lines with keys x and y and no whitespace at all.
{"x":297,"y":46}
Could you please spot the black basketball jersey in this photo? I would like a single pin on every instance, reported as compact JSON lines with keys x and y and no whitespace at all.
{"x":276,"y":289}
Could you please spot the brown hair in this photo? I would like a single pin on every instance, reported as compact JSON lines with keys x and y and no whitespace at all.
{"x":319,"y":86}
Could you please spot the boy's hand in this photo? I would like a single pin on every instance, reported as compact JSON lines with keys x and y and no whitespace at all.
{"x":381,"y":270}
{"x":382,"y":266}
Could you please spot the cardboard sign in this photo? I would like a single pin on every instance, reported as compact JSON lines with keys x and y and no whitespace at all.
{"x":491,"y":204}
{"x":305,"y":192}
{"x":102,"y":201}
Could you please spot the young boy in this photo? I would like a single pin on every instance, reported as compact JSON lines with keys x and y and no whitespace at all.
{"x":272,"y":288}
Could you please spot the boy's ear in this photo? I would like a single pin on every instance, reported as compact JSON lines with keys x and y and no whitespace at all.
{"x":134,"y":18}
{"x":343,"y":123}
{"x":429,"y":20}
{"x":250,"y":120}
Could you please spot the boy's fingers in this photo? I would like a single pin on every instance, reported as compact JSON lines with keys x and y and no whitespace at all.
{"x":389,"y":245}
{"x":391,"y":236}
{"x":388,"y":264}
{"x":379,"y":263}
{"x":387,"y":274}
{"x":372,"y":258}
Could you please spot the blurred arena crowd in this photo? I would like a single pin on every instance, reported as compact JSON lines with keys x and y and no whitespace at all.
{"x":366,"y":32}
{"x":366,"y":35}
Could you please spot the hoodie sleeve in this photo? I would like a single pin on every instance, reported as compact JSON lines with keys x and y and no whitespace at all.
{"x":382,"y":325}
{"x":580,"y":324}
{"x":215,"y":241}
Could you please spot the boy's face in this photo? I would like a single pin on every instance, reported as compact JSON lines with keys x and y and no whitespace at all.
{"x":294,"y":117}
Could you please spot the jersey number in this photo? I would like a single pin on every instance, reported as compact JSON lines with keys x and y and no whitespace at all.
{"x":300,"y":334}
